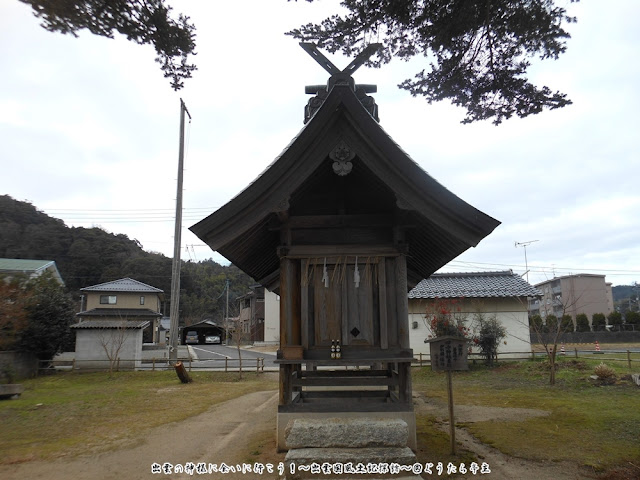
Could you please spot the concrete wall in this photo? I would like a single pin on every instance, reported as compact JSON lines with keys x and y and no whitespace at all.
{"x":125,"y":300}
{"x":15,"y":366}
{"x":511,"y":312}
{"x":91,"y":355}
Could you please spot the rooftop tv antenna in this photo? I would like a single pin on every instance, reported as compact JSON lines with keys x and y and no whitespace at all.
{"x":525,"y":245}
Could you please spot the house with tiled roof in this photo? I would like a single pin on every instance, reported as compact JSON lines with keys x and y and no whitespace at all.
{"x":126,"y":299}
{"x":503,"y":294}
{"x":115,"y":318}
{"x":11,"y":267}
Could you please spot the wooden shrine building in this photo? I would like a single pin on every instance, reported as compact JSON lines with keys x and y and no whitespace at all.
{"x":342,"y":225}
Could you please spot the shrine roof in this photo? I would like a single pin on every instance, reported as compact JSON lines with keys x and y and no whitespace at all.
{"x":474,"y":285}
{"x":443,"y":225}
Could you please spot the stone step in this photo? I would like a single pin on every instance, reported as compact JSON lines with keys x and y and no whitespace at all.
{"x":346,"y":433}
{"x":356,"y":458}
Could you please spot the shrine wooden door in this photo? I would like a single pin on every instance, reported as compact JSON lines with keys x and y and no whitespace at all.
{"x":338,"y":304}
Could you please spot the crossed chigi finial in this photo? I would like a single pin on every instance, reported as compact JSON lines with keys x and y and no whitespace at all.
{"x":340,"y":77}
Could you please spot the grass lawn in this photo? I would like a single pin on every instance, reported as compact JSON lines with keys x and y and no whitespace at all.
{"x":72,"y":413}
{"x":597,"y":426}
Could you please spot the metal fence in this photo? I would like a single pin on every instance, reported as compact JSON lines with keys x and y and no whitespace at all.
{"x":153,"y":364}
{"x":424,"y":359}
{"x":258,"y":364}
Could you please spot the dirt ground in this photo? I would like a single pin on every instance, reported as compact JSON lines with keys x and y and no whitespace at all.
{"x":243,"y":430}
{"x":503,"y":467}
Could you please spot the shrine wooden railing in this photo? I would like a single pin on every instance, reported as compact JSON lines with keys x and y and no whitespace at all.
{"x":354,"y":385}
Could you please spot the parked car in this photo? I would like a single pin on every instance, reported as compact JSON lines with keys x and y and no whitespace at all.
{"x":212,"y":339}
{"x":192,"y":337}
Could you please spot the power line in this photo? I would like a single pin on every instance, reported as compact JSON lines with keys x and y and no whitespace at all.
{"x":541,"y":268}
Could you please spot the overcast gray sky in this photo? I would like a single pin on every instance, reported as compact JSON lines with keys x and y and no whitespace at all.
{"x":89,"y":131}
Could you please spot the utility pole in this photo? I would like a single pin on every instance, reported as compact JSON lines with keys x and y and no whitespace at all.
{"x":226,"y":318}
{"x":524,"y":245}
{"x":177,"y":238}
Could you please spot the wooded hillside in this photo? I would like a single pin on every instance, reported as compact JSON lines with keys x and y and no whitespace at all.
{"x":89,"y":256}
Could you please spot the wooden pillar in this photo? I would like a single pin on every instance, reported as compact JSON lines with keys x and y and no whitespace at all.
{"x":289,"y":302}
{"x":285,"y":384}
{"x":402,"y":301}
{"x":289,"y":319}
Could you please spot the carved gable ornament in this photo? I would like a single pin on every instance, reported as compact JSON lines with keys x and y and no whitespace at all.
{"x":342,"y":155}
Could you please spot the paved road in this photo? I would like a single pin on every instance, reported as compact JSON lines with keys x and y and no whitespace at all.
{"x":215,"y":356}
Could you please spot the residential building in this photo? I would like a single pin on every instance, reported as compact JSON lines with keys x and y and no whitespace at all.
{"x":11,"y":267}
{"x":115,"y":319}
{"x":271,"y":317}
{"x":501,"y":294}
{"x":124,"y":299}
{"x":252,"y":313}
{"x":573,"y":294}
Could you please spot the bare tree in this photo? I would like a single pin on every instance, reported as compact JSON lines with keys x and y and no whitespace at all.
{"x":551,"y":332}
{"x":112,"y":341}
{"x":240,"y":337}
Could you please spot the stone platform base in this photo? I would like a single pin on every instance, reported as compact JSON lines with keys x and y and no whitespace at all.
{"x":359,"y":458}
{"x":400,"y":455}
{"x":288,"y":419}
{"x":344,"y":448}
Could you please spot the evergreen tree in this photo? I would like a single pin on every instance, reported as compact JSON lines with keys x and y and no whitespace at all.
{"x":536,"y":324}
{"x":49,"y":315}
{"x":614,"y":318}
{"x":582,"y":323}
{"x":478,"y":51}
{"x":141,"y":21}
{"x":551,"y":324}
{"x":598,"y":322}
{"x":13,"y":316}
{"x":567,"y":323}
{"x":632,"y":318}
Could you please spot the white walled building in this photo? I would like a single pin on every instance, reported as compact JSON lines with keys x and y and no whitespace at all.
{"x":271,"y":317}
{"x":501,"y":293}
{"x":99,"y":343}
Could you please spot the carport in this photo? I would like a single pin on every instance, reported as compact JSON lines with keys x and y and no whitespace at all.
{"x":204,"y":328}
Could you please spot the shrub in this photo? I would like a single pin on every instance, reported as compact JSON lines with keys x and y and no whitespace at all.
{"x":444,"y":317}
{"x":551,"y":323}
{"x":567,"y":323}
{"x":490,"y":333}
{"x":535,"y":324}
{"x":582,"y":323}
{"x":605,"y":374}
{"x":632,"y":318}
{"x":615,"y":318}
{"x":598,"y":322}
